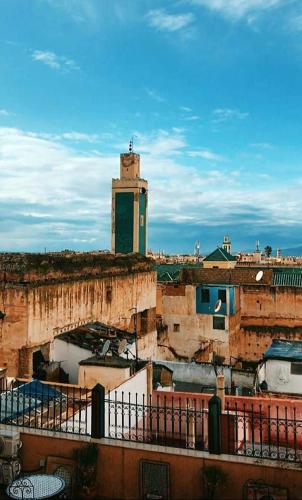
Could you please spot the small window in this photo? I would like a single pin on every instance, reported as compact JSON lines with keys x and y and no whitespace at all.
{"x":176,"y":327}
{"x":222,"y":296}
{"x":218,"y":323}
{"x":205,"y":295}
{"x":142,"y":220}
{"x":296,"y":368}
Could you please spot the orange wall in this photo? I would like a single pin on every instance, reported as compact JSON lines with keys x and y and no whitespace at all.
{"x":118,"y":468}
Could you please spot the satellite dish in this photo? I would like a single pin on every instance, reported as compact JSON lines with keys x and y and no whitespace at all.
{"x":259,"y":276}
{"x":218,"y":306}
{"x":122,"y":346}
{"x":105,"y":348}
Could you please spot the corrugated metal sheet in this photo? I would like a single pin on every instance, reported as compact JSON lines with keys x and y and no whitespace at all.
{"x":284,"y":349}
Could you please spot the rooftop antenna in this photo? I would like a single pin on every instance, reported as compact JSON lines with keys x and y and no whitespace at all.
{"x":257,"y":245}
{"x":131,"y":145}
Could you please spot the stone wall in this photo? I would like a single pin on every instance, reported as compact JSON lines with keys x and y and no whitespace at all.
{"x":68,"y":294}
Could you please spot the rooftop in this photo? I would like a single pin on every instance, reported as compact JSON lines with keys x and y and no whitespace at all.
{"x":171,"y":272}
{"x":236,"y":276}
{"x":220,"y":255}
{"x":113,"y":362}
{"x":92,"y":336}
{"x":26,"y":268}
{"x":284,"y":350}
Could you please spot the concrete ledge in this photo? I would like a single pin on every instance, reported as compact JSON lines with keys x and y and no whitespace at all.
{"x":134,"y":445}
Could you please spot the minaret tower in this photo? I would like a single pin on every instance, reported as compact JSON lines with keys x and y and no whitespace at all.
{"x":129,"y":206}
{"x":227,"y":245}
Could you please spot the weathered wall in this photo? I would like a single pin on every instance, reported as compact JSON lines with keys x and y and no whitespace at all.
{"x":196,"y":333}
{"x":14,"y":327}
{"x":107,"y":376}
{"x":118,"y":467}
{"x":38,"y":311}
{"x":263,"y":312}
{"x":266,"y":313}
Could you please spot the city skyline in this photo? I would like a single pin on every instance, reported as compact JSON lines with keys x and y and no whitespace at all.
{"x":210,"y":91}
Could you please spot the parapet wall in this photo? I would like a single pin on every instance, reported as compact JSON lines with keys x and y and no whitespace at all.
{"x":37,"y":268}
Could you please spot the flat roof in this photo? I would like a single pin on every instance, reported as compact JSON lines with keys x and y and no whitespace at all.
{"x":92,"y":336}
{"x":113,"y":362}
{"x":284,"y":350}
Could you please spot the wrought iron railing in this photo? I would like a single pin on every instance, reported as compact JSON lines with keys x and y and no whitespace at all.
{"x":248,"y":429}
{"x":60,"y":408}
{"x":264,"y":432}
{"x":168,"y":421}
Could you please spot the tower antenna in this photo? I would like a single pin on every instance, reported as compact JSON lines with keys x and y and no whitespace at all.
{"x":131,"y":145}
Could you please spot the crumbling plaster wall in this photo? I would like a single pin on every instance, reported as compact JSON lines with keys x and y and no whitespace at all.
{"x":195,"y":330}
{"x":36,"y":314}
{"x":266,"y":313}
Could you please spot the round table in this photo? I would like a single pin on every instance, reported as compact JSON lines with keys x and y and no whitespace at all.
{"x":36,"y":486}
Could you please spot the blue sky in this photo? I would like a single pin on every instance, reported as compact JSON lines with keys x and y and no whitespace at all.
{"x":211,"y":91}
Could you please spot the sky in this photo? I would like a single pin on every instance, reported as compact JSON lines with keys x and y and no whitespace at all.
{"x":210,"y":90}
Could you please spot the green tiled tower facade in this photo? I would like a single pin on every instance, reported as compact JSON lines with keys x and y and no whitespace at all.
{"x":129,"y":207}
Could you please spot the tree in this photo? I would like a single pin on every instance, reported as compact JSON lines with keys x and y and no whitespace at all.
{"x":268,"y":251}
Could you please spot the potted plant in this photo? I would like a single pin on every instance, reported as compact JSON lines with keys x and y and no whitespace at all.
{"x":214,"y":477}
{"x":86,"y":458}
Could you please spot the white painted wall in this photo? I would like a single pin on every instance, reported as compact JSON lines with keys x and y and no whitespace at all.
{"x":277,"y":375}
{"x":69,"y":355}
{"x":116,"y":425}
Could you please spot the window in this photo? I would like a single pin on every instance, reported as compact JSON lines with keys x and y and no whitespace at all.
{"x":205,"y":295}
{"x":296,"y":368}
{"x":176,"y":327}
{"x":222,"y":296}
{"x":141,"y":220}
{"x":218,"y":323}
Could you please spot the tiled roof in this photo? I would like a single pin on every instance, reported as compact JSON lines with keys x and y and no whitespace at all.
{"x":287,"y":278}
{"x":170,"y":272}
{"x":284,"y":349}
{"x":237,"y":276}
{"x":219,"y":255}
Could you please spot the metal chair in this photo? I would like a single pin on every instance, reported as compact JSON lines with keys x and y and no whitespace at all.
{"x":21,"y":488}
{"x":65,"y":473}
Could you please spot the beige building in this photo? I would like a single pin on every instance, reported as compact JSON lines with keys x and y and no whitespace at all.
{"x":44,"y":295}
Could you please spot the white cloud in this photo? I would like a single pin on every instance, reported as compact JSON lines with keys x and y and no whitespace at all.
{"x":236,"y":9}
{"x":4,"y":112}
{"x":186,"y":109}
{"x":161,"y":20}
{"x":160,"y":143}
{"x":206,"y":154}
{"x":55,"y":197}
{"x":192,"y":118}
{"x":225,"y":114}
{"x":54,"y":61}
{"x":154,"y":95}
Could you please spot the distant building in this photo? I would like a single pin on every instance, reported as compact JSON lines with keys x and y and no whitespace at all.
{"x":129,"y":207}
{"x":227,"y":244}
{"x":220,"y":258}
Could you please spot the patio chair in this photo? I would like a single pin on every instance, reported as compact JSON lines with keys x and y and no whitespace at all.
{"x":65,"y":473}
